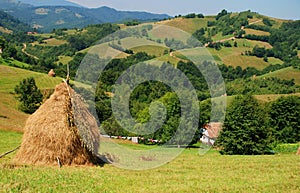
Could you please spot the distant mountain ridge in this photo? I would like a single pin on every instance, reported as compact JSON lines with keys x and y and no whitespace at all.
{"x":37,"y":3}
{"x":49,"y":17}
{"x":10,"y":24}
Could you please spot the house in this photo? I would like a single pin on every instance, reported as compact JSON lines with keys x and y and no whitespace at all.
{"x":210,"y":132}
{"x":135,"y":140}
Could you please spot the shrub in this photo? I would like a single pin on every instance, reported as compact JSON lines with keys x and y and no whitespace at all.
{"x":29,"y":95}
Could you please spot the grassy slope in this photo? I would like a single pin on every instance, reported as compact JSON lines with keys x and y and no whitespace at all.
{"x":188,"y":25}
{"x":64,"y":59}
{"x":189,"y":172}
{"x":272,"y":97}
{"x":10,"y":117}
{"x":151,"y":50}
{"x":230,"y":56}
{"x":4,"y":30}
{"x":257,"y":32}
{"x":286,"y":74}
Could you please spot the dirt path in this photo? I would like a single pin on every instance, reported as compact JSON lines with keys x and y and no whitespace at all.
{"x":24,"y":51}
{"x":254,"y":22}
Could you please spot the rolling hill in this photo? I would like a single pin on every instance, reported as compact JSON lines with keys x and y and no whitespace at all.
{"x":285,"y":74}
{"x":10,"y":117}
{"x":233,"y":55}
{"x":54,"y":16}
{"x":50,"y":2}
{"x":11,"y":24}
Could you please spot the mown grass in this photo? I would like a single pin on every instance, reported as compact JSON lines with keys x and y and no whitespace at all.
{"x":8,"y":141}
{"x":272,"y":60}
{"x":10,"y":117}
{"x":190,"y":172}
{"x":188,"y":25}
{"x":11,"y":76}
{"x":11,"y":62}
{"x":54,"y":42}
{"x":272,"y":97}
{"x":286,"y":74}
{"x":219,"y":37}
{"x":232,"y":56}
{"x":259,"y":43}
{"x":64,"y":59}
{"x":257,"y":32}
{"x":151,"y":50}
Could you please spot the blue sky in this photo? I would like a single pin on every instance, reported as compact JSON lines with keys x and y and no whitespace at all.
{"x":285,"y":9}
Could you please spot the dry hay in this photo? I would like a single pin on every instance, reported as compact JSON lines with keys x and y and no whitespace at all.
{"x":62,"y":128}
{"x":51,"y":73}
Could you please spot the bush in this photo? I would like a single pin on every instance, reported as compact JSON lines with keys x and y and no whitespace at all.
{"x":29,"y":95}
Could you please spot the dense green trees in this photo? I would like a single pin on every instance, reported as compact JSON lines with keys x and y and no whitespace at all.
{"x":245,"y":130}
{"x":201,"y":36}
{"x":285,"y":119}
{"x":29,"y":95}
{"x":261,"y":86}
{"x":2,"y":42}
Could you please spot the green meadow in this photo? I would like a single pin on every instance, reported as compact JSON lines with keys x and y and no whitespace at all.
{"x":190,"y":172}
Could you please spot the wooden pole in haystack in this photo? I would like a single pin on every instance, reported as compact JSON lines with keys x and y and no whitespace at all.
{"x":11,"y":151}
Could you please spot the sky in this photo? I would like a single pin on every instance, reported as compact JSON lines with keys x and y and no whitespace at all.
{"x":284,"y":9}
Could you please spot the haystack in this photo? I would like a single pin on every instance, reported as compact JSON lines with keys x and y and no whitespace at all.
{"x":51,"y":73}
{"x":61,"y":129}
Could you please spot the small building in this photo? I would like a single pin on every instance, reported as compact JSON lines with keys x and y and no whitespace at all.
{"x":210,"y":132}
{"x":135,"y":140}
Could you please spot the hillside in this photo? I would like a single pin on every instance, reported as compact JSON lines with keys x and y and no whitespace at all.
{"x":46,"y":18}
{"x":10,"y":24}
{"x":255,"y":54}
{"x":286,"y":74}
{"x":50,"y":2}
{"x":10,"y":117}
{"x":242,"y":44}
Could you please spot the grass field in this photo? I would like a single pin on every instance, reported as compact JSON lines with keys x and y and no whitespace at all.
{"x":286,"y":74}
{"x":259,"y":43}
{"x":64,"y":59}
{"x":10,"y":117}
{"x":10,"y":77}
{"x":219,"y":37}
{"x":188,"y":25}
{"x":257,"y":32}
{"x":4,"y":30}
{"x":190,"y":172}
{"x":151,"y":50}
{"x":273,"y":97}
{"x":232,"y":56}
{"x":9,"y":62}
{"x":55,"y":42}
